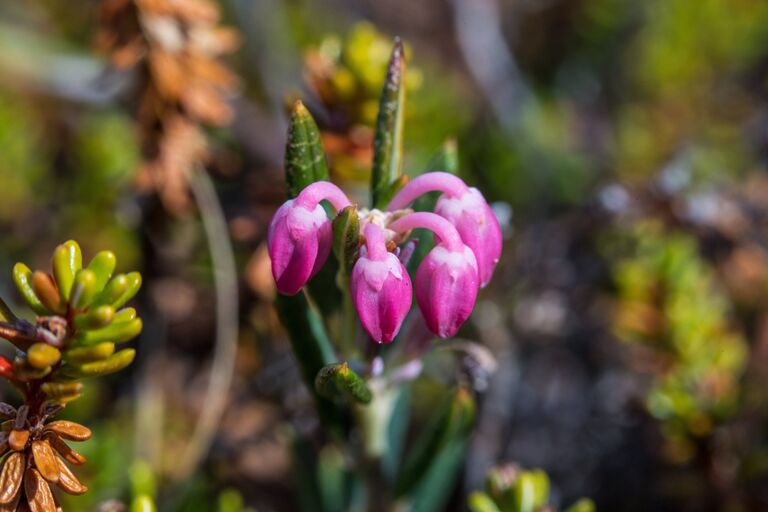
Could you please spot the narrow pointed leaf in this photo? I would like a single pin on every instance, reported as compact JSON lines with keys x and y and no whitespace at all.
{"x":451,"y":425}
{"x":304,"y":157}
{"x":388,"y":140}
{"x":311,"y":347}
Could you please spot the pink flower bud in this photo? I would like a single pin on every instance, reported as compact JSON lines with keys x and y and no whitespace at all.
{"x":446,"y":288}
{"x":299,"y":236}
{"x":466,"y":209}
{"x":381,"y":288}
{"x":477,"y":225}
{"x":447,"y":279}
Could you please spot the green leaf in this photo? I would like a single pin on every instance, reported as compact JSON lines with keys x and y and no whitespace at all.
{"x":436,"y":484}
{"x":6,"y":315}
{"x":80,"y":355}
{"x":305,"y":469}
{"x":525,"y":493}
{"x":481,"y":502}
{"x":84,"y":288}
{"x":388,"y":140}
{"x":333,"y":478}
{"x":396,"y":432}
{"x":346,"y":242}
{"x":451,"y":425}
{"x":338,"y":382}
{"x":304,"y":157}
{"x":583,"y":505}
{"x":311,"y":347}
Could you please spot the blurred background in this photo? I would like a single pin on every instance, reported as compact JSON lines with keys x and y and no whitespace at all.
{"x":623,"y":145}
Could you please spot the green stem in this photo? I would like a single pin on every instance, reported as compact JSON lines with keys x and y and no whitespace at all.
{"x":373,"y":421}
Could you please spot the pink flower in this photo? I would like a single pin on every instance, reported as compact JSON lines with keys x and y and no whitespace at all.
{"x":381,"y":288}
{"x":466,"y":209}
{"x":299,"y":236}
{"x":447,"y":279}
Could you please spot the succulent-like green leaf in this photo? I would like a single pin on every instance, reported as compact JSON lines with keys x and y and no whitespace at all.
{"x":62,"y":389}
{"x":84,"y":288}
{"x":95,"y":318}
{"x":112,"y":364}
{"x":42,"y":355}
{"x":451,"y":425}
{"x":98,"y":352}
{"x":116,"y":332}
{"x":339,"y":382}
{"x":346,"y":241}
{"x":102,"y":265}
{"x":481,"y":502}
{"x":67,"y":260}
{"x":304,"y":157}
{"x":22,"y":277}
{"x":388,"y":140}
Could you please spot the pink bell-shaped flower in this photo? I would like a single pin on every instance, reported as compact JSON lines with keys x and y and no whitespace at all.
{"x":299,"y":236}
{"x":381,"y":288}
{"x":465,"y":208}
{"x":447,"y":279}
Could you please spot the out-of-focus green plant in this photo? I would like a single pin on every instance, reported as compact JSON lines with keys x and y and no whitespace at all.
{"x":80,"y":319}
{"x":509,"y":488}
{"x":670,"y":308}
{"x":346,"y":73}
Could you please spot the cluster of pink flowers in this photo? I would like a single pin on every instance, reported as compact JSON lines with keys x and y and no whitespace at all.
{"x":467,"y":248}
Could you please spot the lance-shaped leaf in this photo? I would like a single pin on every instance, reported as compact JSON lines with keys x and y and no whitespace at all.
{"x":311,"y":346}
{"x":388,"y":140}
{"x":450,"y":428}
{"x":346,"y":242}
{"x":304,"y":157}
{"x":338,"y":382}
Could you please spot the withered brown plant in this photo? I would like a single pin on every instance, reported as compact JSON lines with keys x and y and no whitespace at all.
{"x":172,"y":48}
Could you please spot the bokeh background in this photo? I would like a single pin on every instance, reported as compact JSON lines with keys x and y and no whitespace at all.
{"x":623,"y":145}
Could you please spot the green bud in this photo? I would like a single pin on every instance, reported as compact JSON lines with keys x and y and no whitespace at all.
{"x":42,"y":355}
{"x":125,"y":315}
{"x":22,"y":277}
{"x":338,"y":382}
{"x":67,"y":260}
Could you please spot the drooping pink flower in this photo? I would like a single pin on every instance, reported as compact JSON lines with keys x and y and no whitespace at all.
{"x":299,"y":236}
{"x":447,"y":279}
{"x":381,"y":288}
{"x":466,"y":208}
